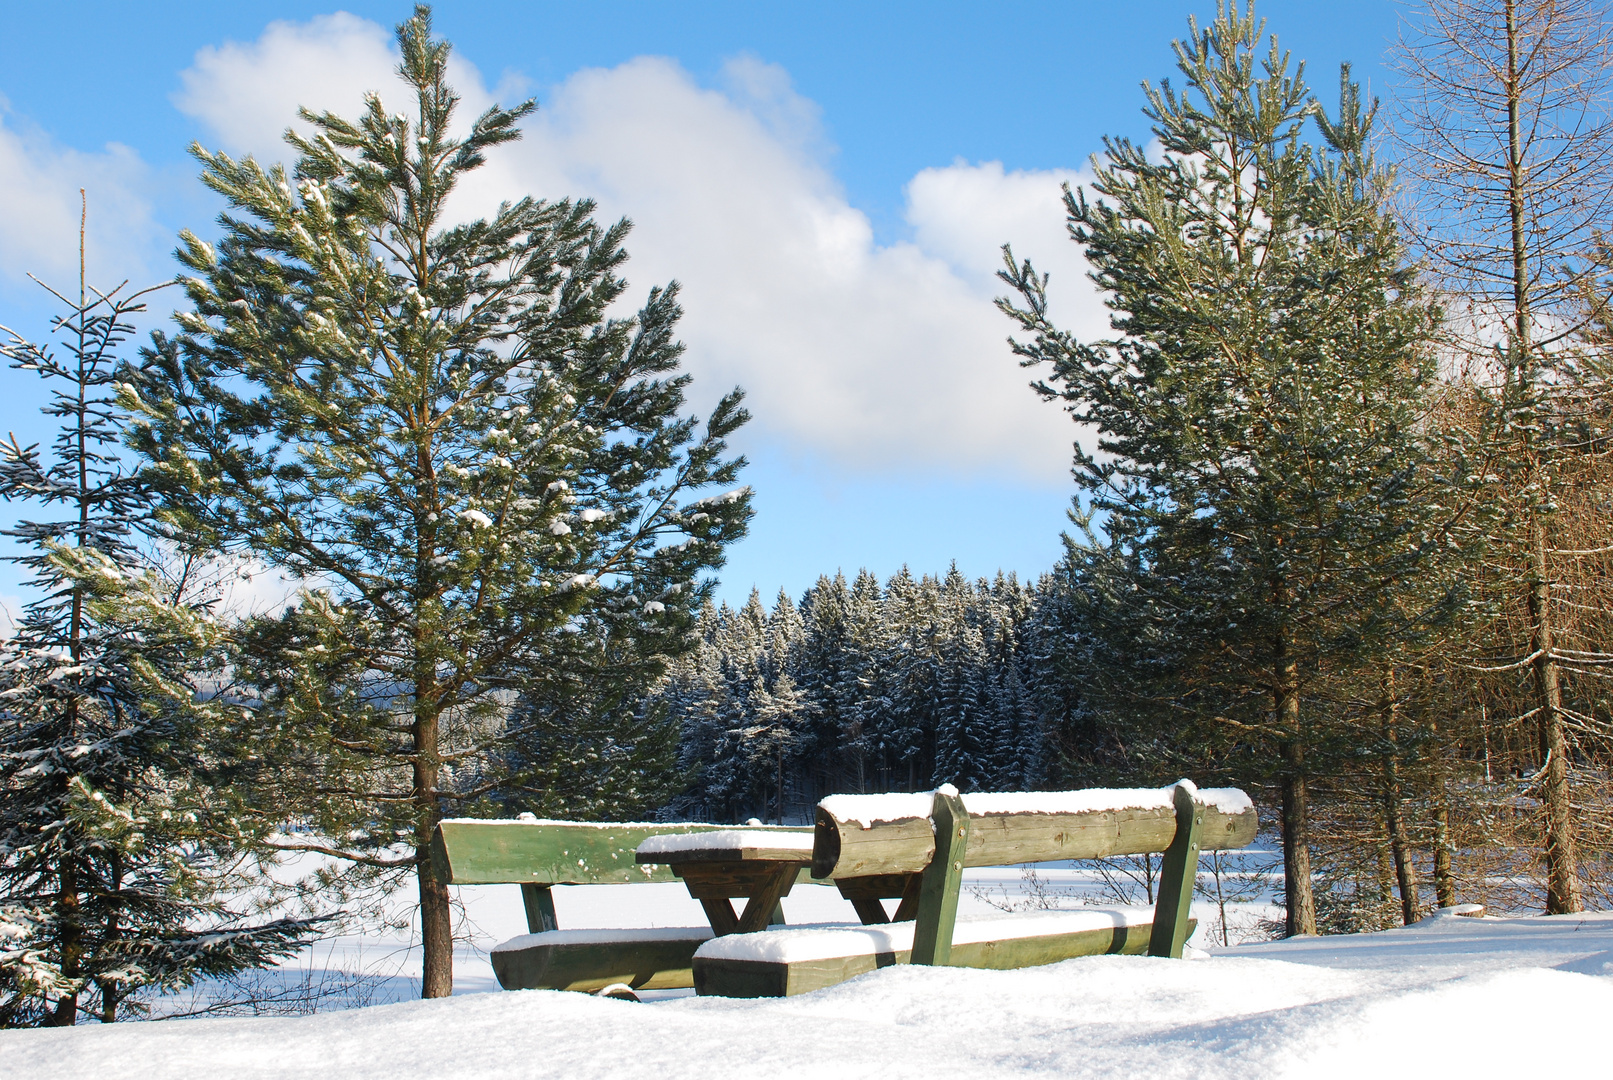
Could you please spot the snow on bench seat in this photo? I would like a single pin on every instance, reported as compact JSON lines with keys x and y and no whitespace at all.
{"x":781,"y":963}
{"x":652,"y":958}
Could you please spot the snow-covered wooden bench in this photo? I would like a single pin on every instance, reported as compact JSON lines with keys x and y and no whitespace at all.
{"x":915,"y":847}
{"x":539,"y":855}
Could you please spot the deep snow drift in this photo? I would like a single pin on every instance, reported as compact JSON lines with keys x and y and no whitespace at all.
{"x":1470,"y":997}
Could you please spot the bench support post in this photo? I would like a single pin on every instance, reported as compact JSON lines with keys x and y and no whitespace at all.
{"x":539,"y":908}
{"x":1177,"y":876}
{"x":943,"y":878}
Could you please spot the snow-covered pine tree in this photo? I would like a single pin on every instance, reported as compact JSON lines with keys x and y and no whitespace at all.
{"x":822,"y":673}
{"x":785,"y":632}
{"x":695,"y":695}
{"x":439,"y":427}
{"x":912,"y":673}
{"x":115,"y":846}
{"x":863,"y":672}
{"x":1016,"y":737}
{"x":1265,"y":487}
{"x":775,"y":732}
{"x":965,"y":742}
{"x":898,"y":664}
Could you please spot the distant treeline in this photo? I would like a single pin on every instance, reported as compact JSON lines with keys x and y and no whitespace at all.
{"x":864,"y":687}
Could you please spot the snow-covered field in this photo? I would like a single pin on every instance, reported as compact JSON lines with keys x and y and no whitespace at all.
{"x":1467,"y":997}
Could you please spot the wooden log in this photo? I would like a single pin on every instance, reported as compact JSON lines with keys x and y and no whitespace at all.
{"x":1177,"y":875}
{"x":846,"y":847}
{"x":469,"y":852}
{"x":943,"y":880}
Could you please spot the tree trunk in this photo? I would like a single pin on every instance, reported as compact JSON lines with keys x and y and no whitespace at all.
{"x":109,"y":990}
{"x":1562,"y":859}
{"x":1444,"y":875}
{"x":436,"y":917}
{"x":1400,"y":848}
{"x":1386,"y":873}
{"x":71,"y":938}
{"x":436,"y":932}
{"x":1298,"y":896}
{"x":1394,"y":816}
{"x":1299,"y":899}
{"x":1562,"y":863}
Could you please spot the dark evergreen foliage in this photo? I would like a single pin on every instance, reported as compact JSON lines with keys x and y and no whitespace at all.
{"x":482,"y":474}
{"x":116,"y":848}
{"x":1272,"y":501}
{"x":922,"y":682}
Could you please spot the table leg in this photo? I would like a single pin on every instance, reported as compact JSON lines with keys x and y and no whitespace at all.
{"x":720,"y":912}
{"x":870,"y":911}
{"x":909,"y":907}
{"x":539,"y":904}
{"x":759,"y":909}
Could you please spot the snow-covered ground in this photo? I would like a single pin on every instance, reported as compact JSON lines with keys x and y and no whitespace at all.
{"x":381,"y":966}
{"x":1451,"y":996}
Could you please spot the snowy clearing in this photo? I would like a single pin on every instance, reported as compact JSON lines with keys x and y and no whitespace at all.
{"x":1465,"y":996}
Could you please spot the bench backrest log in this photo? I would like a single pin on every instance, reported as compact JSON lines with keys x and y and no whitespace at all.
{"x":938,"y":834}
{"x":539,"y":854}
{"x":863,"y":835}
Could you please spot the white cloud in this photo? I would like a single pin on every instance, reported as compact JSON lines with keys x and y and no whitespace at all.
{"x":965,"y":213}
{"x":248,"y":93}
{"x":39,"y":189}
{"x":872,"y":354}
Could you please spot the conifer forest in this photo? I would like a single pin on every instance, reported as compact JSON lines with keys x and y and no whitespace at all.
{"x":1340,"y":527}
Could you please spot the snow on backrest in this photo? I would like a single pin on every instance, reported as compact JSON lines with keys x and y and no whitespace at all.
{"x":867,"y":810}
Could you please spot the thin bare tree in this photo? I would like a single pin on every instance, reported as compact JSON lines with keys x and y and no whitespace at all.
{"x":1508,"y":149}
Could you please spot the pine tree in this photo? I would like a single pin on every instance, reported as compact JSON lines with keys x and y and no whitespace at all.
{"x":695,"y":694}
{"x":1263,"y":485}
{"x":911,"y":608}
{"x":774,"y":733}
{"x":115,"y":846}
{"x":442,"y":430}
{"x":824,"y":673}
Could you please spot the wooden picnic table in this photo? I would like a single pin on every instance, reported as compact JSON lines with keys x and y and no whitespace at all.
{"x":719,"y":867}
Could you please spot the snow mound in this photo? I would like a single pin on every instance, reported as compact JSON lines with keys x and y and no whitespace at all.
{"x":1458,"y":996}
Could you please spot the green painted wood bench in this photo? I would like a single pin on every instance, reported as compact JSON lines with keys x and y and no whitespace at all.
{"x":539,"y":855}
{"x":914,"y":848}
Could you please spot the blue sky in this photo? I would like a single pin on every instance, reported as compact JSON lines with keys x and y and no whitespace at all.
{"x":830,"y":181}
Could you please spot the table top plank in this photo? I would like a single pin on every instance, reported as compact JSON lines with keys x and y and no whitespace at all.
{"x":727,"y":845}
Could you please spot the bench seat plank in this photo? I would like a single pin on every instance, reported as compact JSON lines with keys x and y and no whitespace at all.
{"x":473,"y":851}
{"x":783,"y":963}
{"x":589,"y":960}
